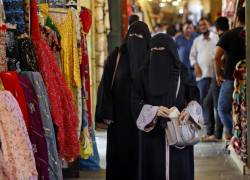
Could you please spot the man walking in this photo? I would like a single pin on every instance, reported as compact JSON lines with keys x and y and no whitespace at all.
{"x":201,"y":58}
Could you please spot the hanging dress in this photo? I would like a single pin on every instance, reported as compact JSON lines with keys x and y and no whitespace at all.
{"x":62,"y":105}
{"x":55,"y":168}
{"x":36,"y":128}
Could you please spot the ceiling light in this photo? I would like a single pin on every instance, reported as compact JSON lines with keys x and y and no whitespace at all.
{"x":163,"y":1}
{"x":181,"y":11}
{"x":162,"y":4}
{"x":175,"y":3}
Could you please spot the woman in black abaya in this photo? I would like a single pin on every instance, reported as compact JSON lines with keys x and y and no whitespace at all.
{"x":115,"y":110}
{"x":156,"y":86}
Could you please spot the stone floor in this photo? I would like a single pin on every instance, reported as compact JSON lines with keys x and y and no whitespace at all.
{"x":212,"y":162}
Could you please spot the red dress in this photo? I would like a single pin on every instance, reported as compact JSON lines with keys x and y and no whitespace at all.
{"x":86,"y":22}
{"x":11,"y":83}
{"x":62,"y":106}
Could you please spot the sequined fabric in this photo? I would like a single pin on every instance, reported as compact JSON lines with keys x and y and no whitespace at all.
{"x":14,"y":13}
{"x":27,"y":55}
{"x":12,"y":52}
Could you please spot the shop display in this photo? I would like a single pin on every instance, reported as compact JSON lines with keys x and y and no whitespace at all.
{"x":239,"y":141}
{"x":45,"y":69}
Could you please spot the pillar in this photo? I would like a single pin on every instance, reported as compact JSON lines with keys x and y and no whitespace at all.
{"x":115,"y":36}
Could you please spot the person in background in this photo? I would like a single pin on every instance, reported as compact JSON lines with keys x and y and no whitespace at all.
{"x":171,"y":30}
{"x":215,"y":126}
{"x":222,"y":25}
{"x":232,"y":46}
{"x":159,"y":28}
{"x":201,"y":58}
{"x":133,"y":18}
{"x":184,"y":43}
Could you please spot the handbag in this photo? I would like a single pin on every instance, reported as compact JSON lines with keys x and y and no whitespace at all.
{"x":182,"y":133}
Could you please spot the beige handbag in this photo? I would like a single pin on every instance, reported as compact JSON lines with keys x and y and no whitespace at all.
{"x":182,"y":134}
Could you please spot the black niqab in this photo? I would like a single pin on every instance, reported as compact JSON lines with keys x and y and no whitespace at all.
{"x":137,"y":41}
{"x":164,"y":65}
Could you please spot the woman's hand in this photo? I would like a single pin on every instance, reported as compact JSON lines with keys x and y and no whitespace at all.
{"x":163,"y":112}
{"x":184,"y":116}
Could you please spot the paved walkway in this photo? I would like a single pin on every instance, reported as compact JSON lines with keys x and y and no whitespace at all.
{"x":211,"y":162}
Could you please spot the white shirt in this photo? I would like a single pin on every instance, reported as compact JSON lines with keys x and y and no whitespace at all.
{"x":203,"y":52}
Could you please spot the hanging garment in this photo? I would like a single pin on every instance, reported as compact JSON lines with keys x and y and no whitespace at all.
{"x":52,"y":39}
{"x":27,"y":55}
{"x":12,"y":51}
{"x":55,"y":169}
{"x":11,"y":83}
{"x":49,"y":23}
{"x":69,"y":51}
{"x":86,"y":134}
{"x":14,"y":13}
{"x":86,"y":149}
{"x":16,"y":149}
{"x":62,"y":106}
{"x":93,"y":162}
{"x":3,"y":59}
{"x":36,"y":132}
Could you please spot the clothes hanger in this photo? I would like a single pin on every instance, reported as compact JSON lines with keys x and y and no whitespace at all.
{"x":72,"y":3}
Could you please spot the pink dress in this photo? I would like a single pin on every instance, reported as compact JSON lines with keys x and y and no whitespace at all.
{"x":16,"y":156}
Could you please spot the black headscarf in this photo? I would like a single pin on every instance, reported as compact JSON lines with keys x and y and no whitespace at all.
{"x":137,"y":41}
{"x":132,"y":19}
{"x":164,"y":65}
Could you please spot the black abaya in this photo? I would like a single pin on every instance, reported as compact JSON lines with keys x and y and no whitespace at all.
{"x":152,"y":162}
{"x":122,"y":135}
{"x":122,"y":140}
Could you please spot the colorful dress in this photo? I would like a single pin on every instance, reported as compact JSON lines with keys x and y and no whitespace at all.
{"x":62,"y":106}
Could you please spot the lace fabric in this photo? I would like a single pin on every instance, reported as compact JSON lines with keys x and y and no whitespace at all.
{"x":62,"y":106}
